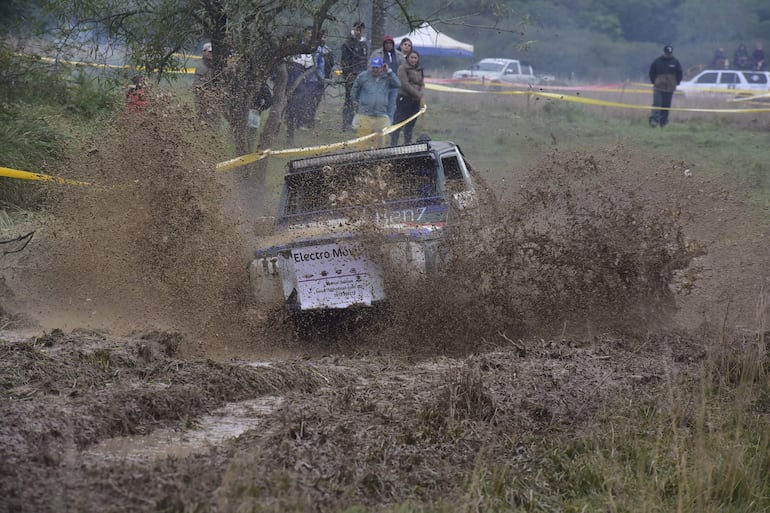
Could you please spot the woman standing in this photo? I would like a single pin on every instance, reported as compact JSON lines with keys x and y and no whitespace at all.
{"x":405,"y":46}
{"x":393,"y":58}
{"x":409,"y":95}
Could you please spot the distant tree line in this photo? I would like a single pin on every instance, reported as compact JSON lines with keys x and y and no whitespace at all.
{"x":603,"y":39}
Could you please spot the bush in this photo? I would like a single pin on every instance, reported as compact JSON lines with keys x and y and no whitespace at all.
{"x":41,"y":107}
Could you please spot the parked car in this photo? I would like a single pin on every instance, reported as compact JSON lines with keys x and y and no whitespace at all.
{"x":498,"y":71}
{"x":723,"y":81}
{"x":345,"y":219}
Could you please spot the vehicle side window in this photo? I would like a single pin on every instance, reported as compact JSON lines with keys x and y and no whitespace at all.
{"x":453,"y":174}
{"x":729,"y":78}
{"x":756,"y":78}
{"x":707,"y":78}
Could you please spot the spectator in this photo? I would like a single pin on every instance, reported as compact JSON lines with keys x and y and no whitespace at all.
{"x":353,"y":62}
{"x":741,"y":57}
{"x":136,"y":99}
{"x":203,"y":87}
{"x":370,"y":92}
{"x":405,"y":46}
{"x":261,"y":102}
{"x":409,"y":95}
{"x":665,"y":75}
{"x":758,"y":58}
{"x":324,"y":63}
{"x":393,"y":58}
{"x":720,"y":59}
{"x":300,"y":87}
{"x":299,"y":93}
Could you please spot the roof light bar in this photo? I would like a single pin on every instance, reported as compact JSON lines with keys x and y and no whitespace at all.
{"x":374,"y":154}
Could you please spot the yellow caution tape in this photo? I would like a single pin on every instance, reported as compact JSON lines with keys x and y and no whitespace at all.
{"x":497,"y":87}
{"x":450,"y":89}
{"x":592,"y":101}
{"x":26,"y":175}
{"x":187,"y":71}
{"x":757,"y":97}
{"x":605,"y":103}
{"x":315,"y":150}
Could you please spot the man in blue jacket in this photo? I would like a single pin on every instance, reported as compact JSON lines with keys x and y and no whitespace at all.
{"x":370,"y":94}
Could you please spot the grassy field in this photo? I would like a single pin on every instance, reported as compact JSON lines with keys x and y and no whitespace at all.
{"x":505,"y":135}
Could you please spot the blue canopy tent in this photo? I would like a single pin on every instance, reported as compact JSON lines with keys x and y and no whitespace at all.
{"x":429,"y":42}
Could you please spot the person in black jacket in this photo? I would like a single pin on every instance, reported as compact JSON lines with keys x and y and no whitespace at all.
{"x":665,"y":75}
{"x":355,"y":59}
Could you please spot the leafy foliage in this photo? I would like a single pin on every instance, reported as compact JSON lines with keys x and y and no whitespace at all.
{"x":40,"y":103}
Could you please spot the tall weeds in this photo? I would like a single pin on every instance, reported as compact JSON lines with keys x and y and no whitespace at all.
{"x":42,"y":112}
{"x":700,"y":445}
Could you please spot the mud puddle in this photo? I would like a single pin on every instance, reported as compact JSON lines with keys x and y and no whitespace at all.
{"x":207,"y":431}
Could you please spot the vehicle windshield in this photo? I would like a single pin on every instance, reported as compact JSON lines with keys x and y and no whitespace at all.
{"x":490,"y":66}
{"x":359,"y":183}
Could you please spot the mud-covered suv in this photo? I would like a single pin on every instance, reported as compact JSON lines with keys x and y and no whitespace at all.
{"x":348,"y":219}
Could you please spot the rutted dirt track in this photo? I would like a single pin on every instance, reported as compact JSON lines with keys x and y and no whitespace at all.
{"x":625,"y":264}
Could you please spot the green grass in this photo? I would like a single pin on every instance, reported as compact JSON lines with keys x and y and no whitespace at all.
{"x":697,"y":447}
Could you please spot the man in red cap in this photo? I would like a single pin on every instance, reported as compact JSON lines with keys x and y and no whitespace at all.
{"x":393,"y":58}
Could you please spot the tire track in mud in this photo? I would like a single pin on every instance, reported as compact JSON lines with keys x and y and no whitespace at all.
{"x":378,"y":426}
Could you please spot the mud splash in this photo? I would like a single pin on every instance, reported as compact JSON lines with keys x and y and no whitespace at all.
{"x":151,"y":246}
{"x":575,"y":250}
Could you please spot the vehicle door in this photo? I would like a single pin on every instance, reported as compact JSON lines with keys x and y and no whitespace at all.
{"x":729,"y":80}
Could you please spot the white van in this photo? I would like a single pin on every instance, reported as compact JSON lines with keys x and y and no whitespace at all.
{"x":726,"y":81}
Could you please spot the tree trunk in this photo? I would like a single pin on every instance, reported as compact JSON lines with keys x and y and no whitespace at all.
{"x":378,"y":24}
{"x":268,"y":135}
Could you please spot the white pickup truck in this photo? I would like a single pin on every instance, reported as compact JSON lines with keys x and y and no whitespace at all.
{"x":348,"y":220}
{"x":499,"y":71}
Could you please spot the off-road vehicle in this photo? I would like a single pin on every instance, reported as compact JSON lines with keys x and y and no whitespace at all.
{"x":349,"y":220}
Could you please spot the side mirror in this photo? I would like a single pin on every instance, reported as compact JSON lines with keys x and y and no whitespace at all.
{"x":465,"y":200}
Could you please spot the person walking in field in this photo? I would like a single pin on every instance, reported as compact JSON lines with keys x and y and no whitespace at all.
{"x":665,"y":75}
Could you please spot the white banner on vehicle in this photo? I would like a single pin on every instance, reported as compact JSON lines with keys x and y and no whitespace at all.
{"x":336,"y":276}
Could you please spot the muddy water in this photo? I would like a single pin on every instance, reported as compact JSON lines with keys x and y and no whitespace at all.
{"x":227,"y":422}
